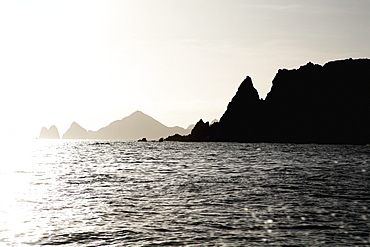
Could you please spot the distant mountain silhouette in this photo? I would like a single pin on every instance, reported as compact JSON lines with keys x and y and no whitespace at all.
{"x":312,"y":104}
{"x":76,"y":132}
{"x":190,"y":127}
{"x":51,"y":133}
{"x":134,"y":127}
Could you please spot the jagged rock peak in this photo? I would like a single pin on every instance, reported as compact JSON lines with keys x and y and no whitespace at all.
{"x":246,"y":91}
{"x":200,"y":131}
{"x":199,"y":126}
{"x":245,"y":98}
{"x":310,"y":64}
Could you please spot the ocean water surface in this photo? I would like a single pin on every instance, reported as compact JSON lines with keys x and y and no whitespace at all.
{"x":114,"y":193}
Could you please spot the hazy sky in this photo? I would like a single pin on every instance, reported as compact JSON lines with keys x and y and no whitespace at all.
{"x":94,"y":62}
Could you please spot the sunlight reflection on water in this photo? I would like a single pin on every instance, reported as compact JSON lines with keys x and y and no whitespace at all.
{"x":127,"y":193}
{"x":22,"y":181}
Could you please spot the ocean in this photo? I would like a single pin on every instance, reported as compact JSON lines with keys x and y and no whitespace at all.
{"x":115,"y":193}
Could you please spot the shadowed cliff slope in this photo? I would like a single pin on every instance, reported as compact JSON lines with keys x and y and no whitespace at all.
{"x":312,"y":104}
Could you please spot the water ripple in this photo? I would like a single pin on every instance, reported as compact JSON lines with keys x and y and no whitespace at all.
{"x":167,"y":194}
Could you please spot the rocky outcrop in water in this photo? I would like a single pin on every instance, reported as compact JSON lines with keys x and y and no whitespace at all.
{"x":312,"y":104}
{"x":200,"y":132}
{"x":51,"y":133}
{"x":143,"y":140}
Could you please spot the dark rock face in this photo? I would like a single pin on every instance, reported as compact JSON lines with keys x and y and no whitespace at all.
{"x":312,"y":104}
{"x":321,"y":104}
{"x":200,"y":132}
{"x":51,"y":133}
{"x":243,"y":116}
{"x":179,"y":138}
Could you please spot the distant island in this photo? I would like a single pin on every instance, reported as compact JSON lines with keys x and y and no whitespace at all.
{"x":312,"y":104}
{"x":51,"y":133}
{"x":133,"y":127}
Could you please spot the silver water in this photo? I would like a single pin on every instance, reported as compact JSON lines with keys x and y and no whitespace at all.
{"x":111,"y":193}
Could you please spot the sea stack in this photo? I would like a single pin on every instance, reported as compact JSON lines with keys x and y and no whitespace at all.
{"x":51,"y":133}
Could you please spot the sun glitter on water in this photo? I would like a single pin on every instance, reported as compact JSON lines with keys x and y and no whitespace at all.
{"x":19,"y":191}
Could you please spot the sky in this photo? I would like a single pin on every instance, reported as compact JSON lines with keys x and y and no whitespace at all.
{"x":94,"y":62}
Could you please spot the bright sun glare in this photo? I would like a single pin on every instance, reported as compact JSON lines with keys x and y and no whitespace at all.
{"x":20,"y":177}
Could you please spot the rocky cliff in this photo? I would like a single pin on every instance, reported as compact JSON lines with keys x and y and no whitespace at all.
{"x":312,"y":104}
{"x":51,"y":133}
{"x":320,"y":104}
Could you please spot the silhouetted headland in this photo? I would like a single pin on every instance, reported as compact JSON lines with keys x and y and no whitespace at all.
{"x":136,"y":126}
{"x":51,"y":133}
{"x":312,"y":104}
